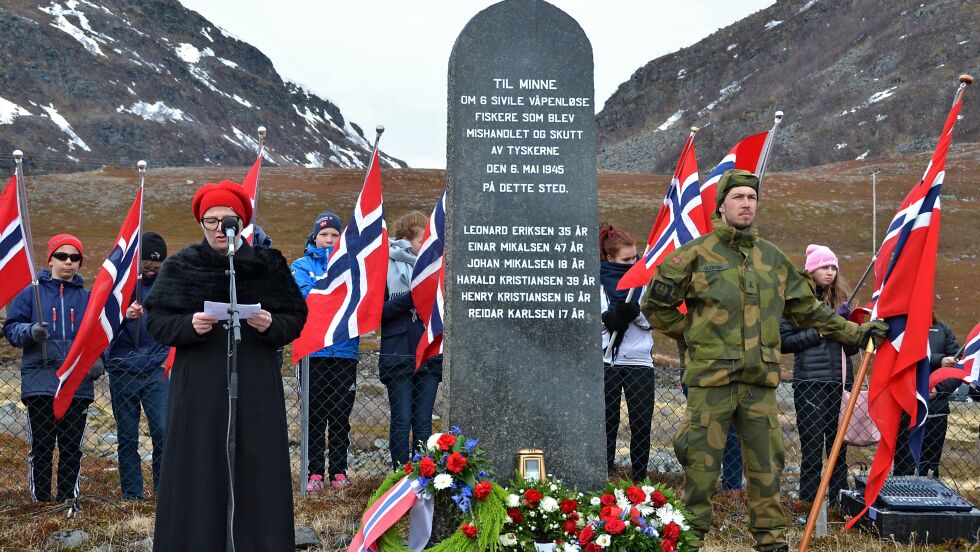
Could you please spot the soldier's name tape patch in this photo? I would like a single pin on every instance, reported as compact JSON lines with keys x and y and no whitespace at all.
{"x":714,"y":268}
{"x":663,"y":291}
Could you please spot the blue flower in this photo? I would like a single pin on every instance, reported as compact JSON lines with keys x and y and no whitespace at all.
{"x":483,"y":474}
{"x":423,"y":481}
{"x":455,"y":430}
{"x":470,"y":445}
{"x":417,"y":457}
{"x":462,"y":501}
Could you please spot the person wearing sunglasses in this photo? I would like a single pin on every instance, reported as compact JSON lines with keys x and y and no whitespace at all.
{"x":193,"y":497}
{"x":46,"y":341}
{"x":136,"y":378}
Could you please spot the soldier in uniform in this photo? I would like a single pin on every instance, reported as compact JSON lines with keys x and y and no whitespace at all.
{"x":736,"y":286}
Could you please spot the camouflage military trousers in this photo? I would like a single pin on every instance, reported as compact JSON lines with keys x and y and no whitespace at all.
{"x":700,"y":443}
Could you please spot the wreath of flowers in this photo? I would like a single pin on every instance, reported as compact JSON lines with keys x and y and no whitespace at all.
{"x":454,"y":464}
{"x":541,"y":512}
{"x":646,"y":518}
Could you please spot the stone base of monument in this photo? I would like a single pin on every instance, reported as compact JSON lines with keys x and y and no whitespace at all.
{"x":446,"y":518}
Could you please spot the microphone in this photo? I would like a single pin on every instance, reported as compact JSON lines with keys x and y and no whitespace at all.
{"x":229,"y":226}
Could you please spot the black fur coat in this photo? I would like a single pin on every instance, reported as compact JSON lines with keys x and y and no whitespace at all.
{"x":191,"y":503}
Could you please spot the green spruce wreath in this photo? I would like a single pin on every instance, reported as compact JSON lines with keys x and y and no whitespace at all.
{"x":489,"y":514}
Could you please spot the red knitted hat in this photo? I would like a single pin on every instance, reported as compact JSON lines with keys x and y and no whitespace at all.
{"x":223,"y":194}
{"x":64,"y":239}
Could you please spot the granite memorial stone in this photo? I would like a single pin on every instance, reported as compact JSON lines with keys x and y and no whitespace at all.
{"x":523,"y":345}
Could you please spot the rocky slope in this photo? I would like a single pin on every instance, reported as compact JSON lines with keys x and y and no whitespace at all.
{"x":857,"y":79}
{"x":87,"y":82}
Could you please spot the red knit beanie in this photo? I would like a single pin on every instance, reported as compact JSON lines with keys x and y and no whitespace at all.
{"x":65,"y":239}
{"x":223,"y":194}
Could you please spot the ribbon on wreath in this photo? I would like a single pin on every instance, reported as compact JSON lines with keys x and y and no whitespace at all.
{"x":406,"y":496}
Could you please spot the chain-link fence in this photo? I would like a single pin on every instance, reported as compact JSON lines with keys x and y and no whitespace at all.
{"x":352,"y":395}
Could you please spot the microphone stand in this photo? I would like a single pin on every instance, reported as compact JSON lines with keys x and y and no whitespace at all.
{"x":234,"y":327}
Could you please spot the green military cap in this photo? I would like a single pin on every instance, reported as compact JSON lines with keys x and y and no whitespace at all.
{"x":734,"y":178}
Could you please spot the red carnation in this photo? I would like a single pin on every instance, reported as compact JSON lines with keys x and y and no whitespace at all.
{"x":585,"y":536}
{"x":671,"y":531}
{"x":667,"y":545}
{"x":605,"y":512}
{"x":615,"y":526}
{"x":408,"y":468}
{"x":446,"y":442}
{"x":515,"y":515}
{"x":568,"y":505}
{"x":574,"y":515}
{"x":569,"y":526}
{"x":533,"y":496}
{"x":427,"y":468}
{"x":607,"y":499}
{"x":469,"y":530}
{"x":455,"y":463}
{"x":636,"y":495}
{"x":593,"y":547}
{"x":658,"y":499}
{"x":482,"y":490}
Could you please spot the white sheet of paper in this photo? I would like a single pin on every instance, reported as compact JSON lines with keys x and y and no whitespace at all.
{"x":220,"y":310}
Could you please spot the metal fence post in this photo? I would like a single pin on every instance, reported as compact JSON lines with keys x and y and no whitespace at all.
{"x":304,"y":424}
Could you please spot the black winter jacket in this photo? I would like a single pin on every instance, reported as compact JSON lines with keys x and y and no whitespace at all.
{"x":942,"y":343}
{"x":815,"y":358}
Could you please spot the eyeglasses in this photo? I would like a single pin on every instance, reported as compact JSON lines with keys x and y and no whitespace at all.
{"x":62,"y":256}
{"x":213,"y":223}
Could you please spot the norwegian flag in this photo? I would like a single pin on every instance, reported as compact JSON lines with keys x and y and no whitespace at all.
{"x":388,"y":510}
{"x":428,"y":279}
{"x":903,"y":296}
{"x":16,"y":269}
{"x":106,"y":308}
{"x":687,"y":208}
{"x":347,"y":300}
{"x":968,"y":368}
{"x":251,"y":185}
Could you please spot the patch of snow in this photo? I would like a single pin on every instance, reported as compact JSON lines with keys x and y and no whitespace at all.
{"x":863,"y":156}
{"x":73,"y":139}
{"x":96,"y":6}
{"x":232,"y":140}
{"x":735,"y":56}
{"x":725,"y":93}
{"x":229,"y":63}
{"x":884,"y":94}
{"x":903,"y":36}
{"x":73,"y":159}
{"x":314,"y":160}
{"x":188,"y":53}
{"x":131,"y":91}
{"x":807,"y":6}
{"x":242,"y":101}
{"x":682,"y":73}
{"x":842,"y":146}
{"x":158,"y":112}
{"x":671,"y":120}
{"x":963,"y":42}
{"x":731,"y":46}
{"x":82,"y":35}
{"x":207,"y":35}
{"x":773,"y":23}
{"x":10,"y":111}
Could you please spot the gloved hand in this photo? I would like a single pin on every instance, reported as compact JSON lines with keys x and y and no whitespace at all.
{"x":628,"y":311}
{"x":844,"y":309}
{"x":96,"y":371}
{"x":39,"y":332}
{"x":876,"y":330}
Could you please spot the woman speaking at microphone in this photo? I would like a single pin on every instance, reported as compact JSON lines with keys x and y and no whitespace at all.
{"x":192,"y":504}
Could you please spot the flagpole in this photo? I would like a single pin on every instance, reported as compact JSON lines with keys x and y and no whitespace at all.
{"x":811,"y":520}
{"x":688,"y":144}
{"x":28,"y":237}
{"x":760,"y":168}
{"x":255,"y":209}
{"x":141,"y":168}
{"x":858,"y":383}
{"x":857,"y":287}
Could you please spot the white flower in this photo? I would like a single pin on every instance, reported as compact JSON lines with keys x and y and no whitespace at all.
{"x":648,"y":489}
{"x":603,"y":541}
{"x":569,"y":547}
{"x":433,"y":442}
{"x":442,"y":481}
{"x":667,"y":514}
{"x":595,"y":501}
{"x":645,"y":509}
{"x":508,"y":539}
{"x":531,"y":513}
{"x":554,"y":487}
{"x":513,"y":501}
{"x":507,"y":520}
{"x":549,"y":504}
{"x":621,"y":500}
{"x":580,"y":523}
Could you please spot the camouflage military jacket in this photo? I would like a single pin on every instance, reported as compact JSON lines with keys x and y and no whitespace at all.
{"x":736,"y":287}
